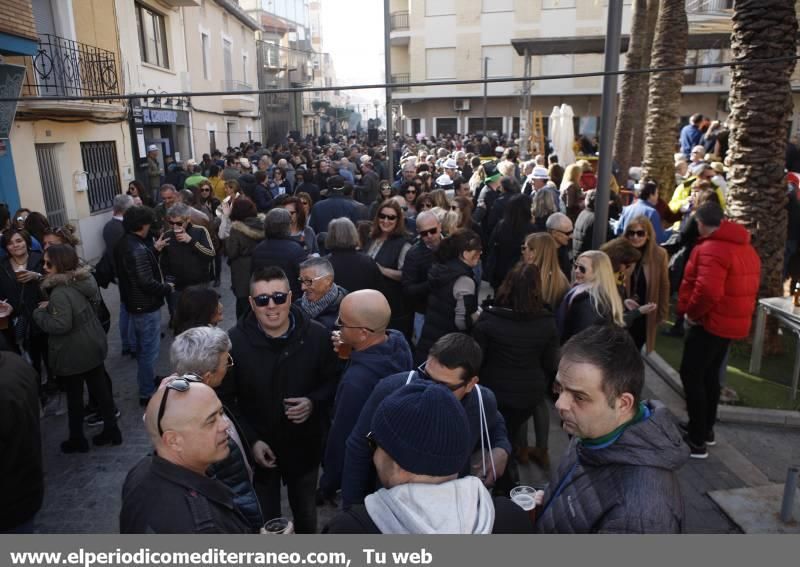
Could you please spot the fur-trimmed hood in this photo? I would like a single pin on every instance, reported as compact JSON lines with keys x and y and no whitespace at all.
{"x":252,"y":227}
{"x":81,"y":279}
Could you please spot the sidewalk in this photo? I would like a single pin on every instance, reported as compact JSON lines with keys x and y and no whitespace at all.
{"x":83,"y":491}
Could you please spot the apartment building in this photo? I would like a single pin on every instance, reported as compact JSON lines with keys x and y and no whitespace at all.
{"x":458,"y":39}
{"x":71,"y":157}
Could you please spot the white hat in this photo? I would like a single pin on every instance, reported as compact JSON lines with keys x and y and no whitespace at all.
{"x":540,"y":173}
{"x":444,"y":180}
{"x":450,"y":164}
{"x":152,"y":148}
{"x":365,"y":159}
{"x":245,"y":163}
{"x":499,"y":150}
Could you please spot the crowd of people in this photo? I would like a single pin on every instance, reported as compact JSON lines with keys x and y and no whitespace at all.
{"x":395,"y":333}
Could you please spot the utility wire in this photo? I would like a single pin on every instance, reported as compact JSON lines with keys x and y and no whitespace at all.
{"x":647,"y":70}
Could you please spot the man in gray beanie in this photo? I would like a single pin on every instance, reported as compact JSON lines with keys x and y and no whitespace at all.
{"x":419,"y":446}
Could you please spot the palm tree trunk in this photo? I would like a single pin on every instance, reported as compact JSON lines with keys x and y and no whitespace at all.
{"x":637,"y":142}
{"x":761,"y":106}
{"x":669,"y":50}
{"x":627,"y":112}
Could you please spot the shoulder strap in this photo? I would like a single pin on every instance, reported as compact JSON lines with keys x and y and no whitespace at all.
{"x":410,"y":376}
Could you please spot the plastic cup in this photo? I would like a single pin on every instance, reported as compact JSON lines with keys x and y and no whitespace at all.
{"x":524,"y":497}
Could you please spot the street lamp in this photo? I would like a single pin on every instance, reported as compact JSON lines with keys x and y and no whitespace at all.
{"x":376,"y":104}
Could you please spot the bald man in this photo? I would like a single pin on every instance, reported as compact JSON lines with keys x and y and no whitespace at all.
{"x":560,"y":227}
{"x":169,"y":492}
{"x":376,"y":352}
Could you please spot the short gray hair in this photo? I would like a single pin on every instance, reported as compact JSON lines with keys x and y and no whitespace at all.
{"x":197,"y":350}
{"x":322,"y":266}
{"x":179,"y":210}
{"x":122,"y":203}
{"x":342,"y":235}
{"x":277,"y":223}
{"x":558,"y":221}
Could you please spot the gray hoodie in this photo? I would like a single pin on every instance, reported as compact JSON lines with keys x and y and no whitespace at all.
{"x":446,"y":508}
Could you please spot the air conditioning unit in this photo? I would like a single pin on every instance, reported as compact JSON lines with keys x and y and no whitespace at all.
{"x":461,"y":104}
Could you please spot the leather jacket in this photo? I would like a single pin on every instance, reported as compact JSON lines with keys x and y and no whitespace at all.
{"x":141,"y":284}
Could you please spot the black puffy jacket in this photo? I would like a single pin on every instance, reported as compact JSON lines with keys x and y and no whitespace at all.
{"x":141,"y":284}
{"x":520,"y":354}
{"x":440,"y":318}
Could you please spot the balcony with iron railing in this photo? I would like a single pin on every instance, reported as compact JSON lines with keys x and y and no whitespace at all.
{"x":401,"y":79}
{"x":64,"y":67}
{"x":709,"y":6}
{"x":399,"y":29}
{"x":236,"y":102}
{"x":399,"y":21}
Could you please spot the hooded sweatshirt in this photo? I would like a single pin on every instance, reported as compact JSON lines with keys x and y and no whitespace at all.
{"x":629,"y":485}
{"x":366,"y":368}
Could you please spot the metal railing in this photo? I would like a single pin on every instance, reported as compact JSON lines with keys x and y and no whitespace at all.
{"x":235,"y":86}
{"x":399,"y":21}
{"x":63,"y":67}
{"x":399,"y":79}
{"x":708,"y":6}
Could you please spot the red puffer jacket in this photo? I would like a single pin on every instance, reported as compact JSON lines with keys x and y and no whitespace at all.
{"x":720,"y":284}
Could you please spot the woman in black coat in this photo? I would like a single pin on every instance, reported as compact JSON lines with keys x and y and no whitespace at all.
{"x":505,"y":243}
{"x":352,"y":270}
{"x":519,"y":339}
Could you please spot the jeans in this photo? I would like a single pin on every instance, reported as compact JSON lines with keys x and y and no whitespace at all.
{"x":419,"y":322}
{"x":126,"y":332}
{"x":96,"y":383}
{"x":302,"y":490}
{"x":703,"y":355}
{"x":147,"y":330}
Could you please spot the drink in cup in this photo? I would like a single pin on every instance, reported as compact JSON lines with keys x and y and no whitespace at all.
{"x":278,"y":526}
{"x":524,"y":497}
{"x":342,"y":350}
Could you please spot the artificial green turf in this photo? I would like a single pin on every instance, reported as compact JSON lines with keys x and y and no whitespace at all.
{"x":768,"y":389}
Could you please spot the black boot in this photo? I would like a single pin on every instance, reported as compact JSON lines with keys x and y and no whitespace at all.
{"x":109,"y":436}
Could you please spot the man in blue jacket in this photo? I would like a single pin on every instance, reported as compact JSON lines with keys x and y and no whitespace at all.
{"x":645,"y":206}
{"x":453,"y":361}
{"x":338,"y":204}
{"x":691,"y":134}
{"x":376,"y":352}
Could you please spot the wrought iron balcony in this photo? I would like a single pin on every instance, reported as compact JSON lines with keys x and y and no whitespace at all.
{"x":63,"y":67}
{"x":400,"y":79}
{"x":399,"y":21}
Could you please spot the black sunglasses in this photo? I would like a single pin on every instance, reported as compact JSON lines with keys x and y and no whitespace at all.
{"x":278,"y":297}
{"x":637,"y":233}
{"x":581,"y":268}
{"x":179,"y":385}
{"x":381,"y":216}
{"x":452,"y":387}
{"x":432,"y":232}
{"x":176,"y":223}
{"x":338,"y":323}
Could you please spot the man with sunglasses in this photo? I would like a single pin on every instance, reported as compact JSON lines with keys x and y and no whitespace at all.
{"x":418,"y":447}
{"x":560,"y":227}
{"x":285,"y":371}
{"x":188,"y":255}
{"x":454,"y":362}
{"x":419,"y":260}
{"x":377,"y":352}
{"x":170,"y":491}
{"x":645,"y":205}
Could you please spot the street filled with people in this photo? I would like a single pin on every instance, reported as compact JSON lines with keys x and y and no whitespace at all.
{"x":396,"y":331}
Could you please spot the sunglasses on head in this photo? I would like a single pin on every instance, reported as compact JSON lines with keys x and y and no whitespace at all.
{"x":179,"y":385}
{"x":381,"y":216}
{"x":278,"y":297}
{"x":580,"y":267}
{"x":637,"y":233}
{"x":430,"y":232}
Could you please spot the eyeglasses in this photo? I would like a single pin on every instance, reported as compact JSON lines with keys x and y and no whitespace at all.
{"x":180,"y":384}
{"x":230,"y":363}
{"x":373,"y":445}
{"x":426,"y":206}
{"x":309,"y":281}
{"x":454,"y":207}
{"x":580,"y":267}
{"x":636,"y":233}
{"x":341,"y":325}
{"x":564,"y":232}
{"x":430,"y":232}
{"x":304,"y":203}
{"x":422,"y":369}
{"x":381,"y":216}
{"x":414,"y":191}
{"x":176,"y":223}
{"x":278,"y":297}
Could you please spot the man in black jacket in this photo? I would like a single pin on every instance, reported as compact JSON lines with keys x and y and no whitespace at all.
{"x":142,"y":290}
{"x":21,"y":465}
{"x":419,"y":446}
{"x":419,"y":260}
{"x":186,"y":260}
{"x":285,"y":370}
{"x":338,"y":204}
{"x":170,"y":492}
{"x":280,"y":249}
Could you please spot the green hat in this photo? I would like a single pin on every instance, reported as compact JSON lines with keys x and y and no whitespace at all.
{"x":494,"y":177}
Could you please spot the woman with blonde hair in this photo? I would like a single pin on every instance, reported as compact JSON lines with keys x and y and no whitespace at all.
{"x":648,"y":282}
{"x":571,"y":192}
{"x":541,"y":250}
{"x":593,"y":299}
